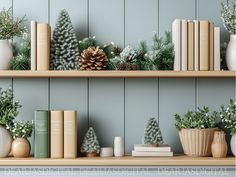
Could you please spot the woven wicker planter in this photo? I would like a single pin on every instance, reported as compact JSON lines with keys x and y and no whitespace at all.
{"x":197,"y":142}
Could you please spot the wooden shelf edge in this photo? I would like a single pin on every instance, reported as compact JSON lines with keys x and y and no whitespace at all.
{"x":179,"y":160}
{"x":116,"y":74}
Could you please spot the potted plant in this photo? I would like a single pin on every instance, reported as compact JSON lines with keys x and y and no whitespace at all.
{"x":20,"y":132}
{"x":8,"y":29}
{"x":228,"y":117}
{"x":196,"y":131}
{"x":229,"y":21}
{"x":8,"y":112}
{"x":90,"y":146}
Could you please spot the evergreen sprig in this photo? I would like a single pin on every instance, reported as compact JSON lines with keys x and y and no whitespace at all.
{"x":21,"y":129}
{"x":228,"y":15}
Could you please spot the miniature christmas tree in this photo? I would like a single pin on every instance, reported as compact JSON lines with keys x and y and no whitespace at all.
{"x":90,"y":142}
{"x":152,"y":133}
{"x":64,"y":45}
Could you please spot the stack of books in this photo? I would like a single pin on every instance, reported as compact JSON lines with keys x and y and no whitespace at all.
{"x":143,"y":150}
{"x":197,"y":45}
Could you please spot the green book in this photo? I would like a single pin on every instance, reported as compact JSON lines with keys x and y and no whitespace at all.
{"x":41,"y":136}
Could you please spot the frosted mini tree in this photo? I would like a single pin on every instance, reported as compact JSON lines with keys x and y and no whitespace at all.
{"x":64,"y":45}
{"x":152,"y":133}
{"x":90,"y":142}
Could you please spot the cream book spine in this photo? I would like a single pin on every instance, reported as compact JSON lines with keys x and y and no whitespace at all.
{"x":184,"y":47}
{"x":176,"y":31}
{"x":190,"y":45}
{"x":43,"y":46}
{"x":211,"y":47}
{"x":57,"y":134}
{"x":151,"y":154}
{"x":70,"y":134}
{"x":33,"y":43}
{"x":196,"y":45}
{"x":217,"y":49}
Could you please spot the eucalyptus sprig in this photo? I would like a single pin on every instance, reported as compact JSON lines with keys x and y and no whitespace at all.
{"x":21,"y":129}
{"x":228,"y":15}
{"x":10,"y":27}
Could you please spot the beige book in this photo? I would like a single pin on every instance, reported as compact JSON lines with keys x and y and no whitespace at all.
{"x":151,"y":154}
{"x":176,"y":38}
{"x":33,"y":44}
{"x":211,"y":47}
{"x":184,"y":45}
{"x":196,"y":45}
{"x":57,"y":134}
{"x":43,"y":46}
{"x":70,"y":134}
{"x":217,"y":49}
{"x":190,"y":46}
{"x":146,"y":148}
{"x":204,"y":45}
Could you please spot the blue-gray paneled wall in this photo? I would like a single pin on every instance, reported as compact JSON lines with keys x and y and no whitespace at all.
{"x":120,"y":106}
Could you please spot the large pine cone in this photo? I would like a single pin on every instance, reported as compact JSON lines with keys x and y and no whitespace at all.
{"x":93,"y":58}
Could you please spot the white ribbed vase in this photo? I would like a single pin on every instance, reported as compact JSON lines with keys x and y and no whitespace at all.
{"x":5,"y":142}
{"x":6,"y":54}
{"x":197,"y":142}
{"x":119,"y":149}
{"x":231,"y":53}
{"x":233,"y":144}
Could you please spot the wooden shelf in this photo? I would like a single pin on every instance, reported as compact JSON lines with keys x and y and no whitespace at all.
{"x":178,"y":160}
{"x":116,"y":74}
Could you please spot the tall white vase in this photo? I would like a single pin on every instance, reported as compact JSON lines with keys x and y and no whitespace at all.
{"x":6,"y":54}
{"x":5,"y":141}
{"x":231,"y":53}
{"x":233,"y":144}
{"x":119,"y":149}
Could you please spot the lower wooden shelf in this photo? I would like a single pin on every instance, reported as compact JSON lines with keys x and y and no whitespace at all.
{"x":177,"y":160}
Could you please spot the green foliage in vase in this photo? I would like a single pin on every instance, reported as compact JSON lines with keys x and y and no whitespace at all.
{"x":21,"y":129}
{"x":228,"y":117}
{"x":8,"y":107}
{"x":152,"y":132}
{"x":86,"y":43}
{"x":10,"y":27}
{"x":228,"y":15}
{"x":64,"y":45}
{"x":90,"y":142}
{"x":200,"y":119}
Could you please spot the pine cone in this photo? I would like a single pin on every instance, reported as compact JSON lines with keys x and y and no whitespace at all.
{"x":93,"y":58}
{"x":127,"y":66}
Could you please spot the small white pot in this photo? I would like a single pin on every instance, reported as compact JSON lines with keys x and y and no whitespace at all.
{"x":6,"y":54}
{"x":5,"y":141}
{"x":233,"y":144}
{"x":231,"y":53}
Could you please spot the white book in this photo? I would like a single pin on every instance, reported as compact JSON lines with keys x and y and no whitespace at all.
{"x":217,"y":49}
{"x":184,"y":47}
{"x":160,"y":148}
{"x":196,"y":45}
{"x":151,"y":154}
{"x":176,"y":38}
{"x":33,"y":49}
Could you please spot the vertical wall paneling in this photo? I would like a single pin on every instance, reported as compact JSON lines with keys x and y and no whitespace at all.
{"x":141,"y":102}
{"x":5,"y":4}
{"x":71,"y":94}
{"x":175,"y":96}
{"x":211,"y":10}
{"x":106,"y":108}
{"x":106,"y":21}
{"x":33,"y":95}
{"x":169,"y":10}
{"x":5,"y":83}
{"x":78,"y":11}
{"x":139,"y":25}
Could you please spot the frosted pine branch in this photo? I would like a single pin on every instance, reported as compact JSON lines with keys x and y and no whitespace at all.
{"x":228,"y":16}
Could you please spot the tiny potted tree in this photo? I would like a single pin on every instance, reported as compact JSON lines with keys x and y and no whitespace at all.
{"x":196,"y":131}
{"x":90,"y":146}
{"x":20,"y":132}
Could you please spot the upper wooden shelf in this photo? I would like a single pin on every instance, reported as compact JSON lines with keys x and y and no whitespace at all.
{"x":177,"y":160}
{"x":115,"y":74}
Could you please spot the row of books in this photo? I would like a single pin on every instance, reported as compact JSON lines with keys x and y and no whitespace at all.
{"x":40,"y":46}
{"x":197,"y":45}
{"x":55,"y":134}
{"x":143,"y":150}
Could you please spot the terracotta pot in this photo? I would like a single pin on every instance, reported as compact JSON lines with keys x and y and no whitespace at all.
{"x":219,"y":146}
{"x":20,"y":148}
{"x":5,"y":141}
{"x":91,"y":154}
{"x":197,"y":142}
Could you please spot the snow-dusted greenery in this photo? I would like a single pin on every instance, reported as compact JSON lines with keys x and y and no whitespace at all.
{"x":200,"y":119}
{"x":21,"y":129}
{"x":228,"y":15}
{"x":228,"y":117}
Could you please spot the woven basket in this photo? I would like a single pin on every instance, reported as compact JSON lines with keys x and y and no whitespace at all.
{"x":197,"y":142}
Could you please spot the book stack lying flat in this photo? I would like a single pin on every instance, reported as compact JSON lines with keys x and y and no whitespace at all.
{"x":143,"y":150}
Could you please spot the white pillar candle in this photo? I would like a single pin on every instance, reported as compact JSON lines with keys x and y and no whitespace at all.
{"x":119,"y":146}
{"x":106,"y":152}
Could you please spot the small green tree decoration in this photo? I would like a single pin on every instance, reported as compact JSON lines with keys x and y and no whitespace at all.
{"x":64,"y":45}
{"x":152,"y":133}
{"x":90,"y":142}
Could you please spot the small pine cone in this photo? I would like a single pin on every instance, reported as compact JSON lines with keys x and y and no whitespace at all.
{"x":93,"y":58}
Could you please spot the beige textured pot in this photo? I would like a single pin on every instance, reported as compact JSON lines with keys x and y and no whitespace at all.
{"x":91,"y":154}
{"x":20,"y":148}
{"x":219,"y":146}
{"x":197,"y":142}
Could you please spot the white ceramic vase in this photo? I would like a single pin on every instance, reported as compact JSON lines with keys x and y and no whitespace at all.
{"x":5,"y":141}
{"x":6,"y":54}
{"x":231,"y":53}
{"x":233,"y":144}
{"x":119,"y":149}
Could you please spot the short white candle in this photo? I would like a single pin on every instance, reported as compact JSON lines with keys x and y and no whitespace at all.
{"x":106,"y":152}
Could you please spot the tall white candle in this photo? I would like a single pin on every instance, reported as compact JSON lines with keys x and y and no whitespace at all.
{"x":119,"y":146}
